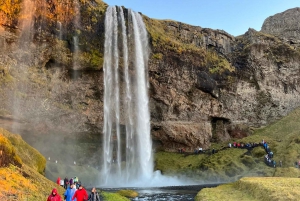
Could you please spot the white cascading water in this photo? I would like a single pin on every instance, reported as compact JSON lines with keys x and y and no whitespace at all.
{"x":135,"y":139}
{"x":76,"y":52}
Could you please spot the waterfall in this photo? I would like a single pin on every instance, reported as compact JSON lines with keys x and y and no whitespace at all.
{"x":59,"y":25}
{"x":76,"y":49}
{"x":26,"y":24}
{"x":75,"y":52}
{"x":132,"y":145}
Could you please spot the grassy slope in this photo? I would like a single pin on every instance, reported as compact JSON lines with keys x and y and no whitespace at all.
{"x":283,"y":137}
{"x":21,"y":173}
{"x":255,"y":188}
{"x":22,"y":178}
{"x":232,"y":164}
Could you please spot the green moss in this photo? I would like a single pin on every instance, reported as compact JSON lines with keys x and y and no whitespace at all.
{"x":5,"y":76}
{"x":223,"y":193}
{"x":258,"y":152}
{"x":282,"y":53}
{"x":217,"y":64}
{"x":19,"y":174}
{"x":171,"y":163}
{"x":157,"y":56}
{"x":29,"y":155}
{"x":8,"y":153}
{"x":255,"y":188}
{"x":114,"y":197}
{"x":163,"y":39}
{"x":128,"y":193}
{"x":93,"y":59}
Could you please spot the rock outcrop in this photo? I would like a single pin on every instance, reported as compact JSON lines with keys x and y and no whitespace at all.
{"x":205,"y":85}
{"x":284,"y":25}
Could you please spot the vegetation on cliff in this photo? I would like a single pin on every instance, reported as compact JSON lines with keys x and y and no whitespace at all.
{"x":9,"y":12}
{"x":28,"y":154}
{"x":280,"y":183}
{"x":175,"y":38}
{"x":232,"y":163}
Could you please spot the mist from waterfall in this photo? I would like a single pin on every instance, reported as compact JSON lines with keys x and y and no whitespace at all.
{"x":127,"y":153}
{"x":25,"y":25}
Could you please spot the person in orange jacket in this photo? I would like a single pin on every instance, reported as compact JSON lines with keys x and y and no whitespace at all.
{"x":54,"y":196}
{"x":80,"y":194}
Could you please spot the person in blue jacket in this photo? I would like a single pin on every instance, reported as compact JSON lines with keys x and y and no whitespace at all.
{"x":70,"y":192}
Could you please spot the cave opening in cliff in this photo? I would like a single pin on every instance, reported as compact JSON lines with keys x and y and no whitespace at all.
{"x":219,"y":129}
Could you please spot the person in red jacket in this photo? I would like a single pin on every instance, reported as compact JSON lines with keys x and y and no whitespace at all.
{"x":54,"y":196}
{"x":80,"y":194}
{"x":58,"y":180}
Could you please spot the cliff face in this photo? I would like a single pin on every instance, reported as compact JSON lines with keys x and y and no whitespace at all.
{"x":205,"y":85}
{"x":285,"y":25}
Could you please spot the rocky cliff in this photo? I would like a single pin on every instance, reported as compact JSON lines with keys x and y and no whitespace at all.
{"x":285,"y":25}
{"x":205,"y":85}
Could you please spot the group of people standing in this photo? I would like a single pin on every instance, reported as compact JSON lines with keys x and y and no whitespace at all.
{"x":269,"y":156}
{"x":74,"y":192}
{"x":65,"y":182}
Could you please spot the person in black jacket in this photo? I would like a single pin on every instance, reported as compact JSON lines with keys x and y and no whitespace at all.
{"x":94,"y":196}
{"x":66,"y":182}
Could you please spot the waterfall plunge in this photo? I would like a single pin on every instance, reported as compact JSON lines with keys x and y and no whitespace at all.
{"x":127,"y":153}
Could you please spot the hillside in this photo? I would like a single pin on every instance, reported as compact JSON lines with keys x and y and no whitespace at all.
{"x":21,"y":170}
{"x":256,"y":180}
{"x":254,"y":189}
{"x":230,"y":164}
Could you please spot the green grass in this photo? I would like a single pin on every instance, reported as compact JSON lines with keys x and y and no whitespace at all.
{"x":283,"y":137}
{"x":28,"y":154}
{"x":232,"y":164}
{"x":255,"y":188}
{"x":174,"y":162}
{"x":21,"y":169}
{"x":281,"y":183}
{"x":128,"y":193}
{"x":113,"y":197}
{"x":224,"y":192}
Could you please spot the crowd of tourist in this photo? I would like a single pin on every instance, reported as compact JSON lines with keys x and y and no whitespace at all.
{"x":249,"y":146}
{"x":74,"y":191}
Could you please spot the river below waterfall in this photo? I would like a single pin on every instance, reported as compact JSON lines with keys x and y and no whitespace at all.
{"x":169,"y":193}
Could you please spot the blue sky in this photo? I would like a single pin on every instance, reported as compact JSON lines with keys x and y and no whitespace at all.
{"x":233,"y":16}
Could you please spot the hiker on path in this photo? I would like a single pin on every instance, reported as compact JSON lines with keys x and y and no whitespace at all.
{"x":58,"y":180}
{"x":70,"y":193}
{"x":94,"y":196}
{"x":66,"y":182}
{"x":80,"y":194}
{"x":54,"y":196}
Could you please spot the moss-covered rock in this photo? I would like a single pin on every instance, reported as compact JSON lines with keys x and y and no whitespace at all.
{"x":128,"y":193}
